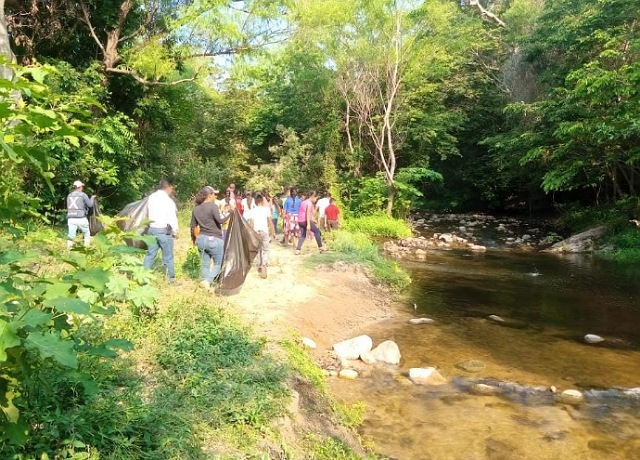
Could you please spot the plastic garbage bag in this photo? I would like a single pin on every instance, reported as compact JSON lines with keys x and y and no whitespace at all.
{"x":136,"y":217}
{"x":241,"y":246}
{"x":95,"y":226}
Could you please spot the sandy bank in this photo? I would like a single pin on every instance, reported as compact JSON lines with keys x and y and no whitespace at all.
{"x":326,"y":304}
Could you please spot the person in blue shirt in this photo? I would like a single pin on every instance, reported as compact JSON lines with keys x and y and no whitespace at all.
{"x":290,"y":217}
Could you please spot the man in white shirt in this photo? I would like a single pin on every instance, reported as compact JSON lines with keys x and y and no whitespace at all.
{"x":322,"y":205}
{"x":163,"y":215}
{"x":261,"y":222}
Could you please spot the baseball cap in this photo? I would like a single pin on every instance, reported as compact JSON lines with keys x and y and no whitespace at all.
{"x":212,"y":189}
{"x":77,"y":184}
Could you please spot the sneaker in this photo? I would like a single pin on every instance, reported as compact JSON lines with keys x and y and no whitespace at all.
{"x":262,"y":270}
{"x":174,"y":282}
{"x":322,"y":249}
{"x":205,"y":284}
{"x":297,"y":252}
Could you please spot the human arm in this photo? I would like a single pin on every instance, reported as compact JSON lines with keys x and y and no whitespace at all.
{"x":192,"y":226}
{"x":309,"y":212}
{"x":89,"y":202}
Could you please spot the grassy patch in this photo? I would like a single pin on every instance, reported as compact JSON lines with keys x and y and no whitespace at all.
{"x":626,"y":244}
{"x":350,"y":415}
{"x":379,"y":225}
{"x":196,"y":386}
{"x":329,"y":448}
{"x":301,"y":362}
{"x":357,"y":248}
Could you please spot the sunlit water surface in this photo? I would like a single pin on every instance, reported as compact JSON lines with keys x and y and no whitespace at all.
{"x":548,"y":303}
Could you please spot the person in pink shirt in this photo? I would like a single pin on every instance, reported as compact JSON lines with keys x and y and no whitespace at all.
{"x":306,"y":216}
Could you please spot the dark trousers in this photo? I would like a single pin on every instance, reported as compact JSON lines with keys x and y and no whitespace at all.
{"x":303,"y":233}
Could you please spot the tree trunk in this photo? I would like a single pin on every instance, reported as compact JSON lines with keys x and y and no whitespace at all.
{"x":5,"y":46}
{"x":391,"y":198}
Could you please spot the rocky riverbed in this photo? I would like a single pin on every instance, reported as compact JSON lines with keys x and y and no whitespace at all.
{"x":470,"y":232}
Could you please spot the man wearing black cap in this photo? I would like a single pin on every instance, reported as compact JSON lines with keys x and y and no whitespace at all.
{"x":78,"y":204}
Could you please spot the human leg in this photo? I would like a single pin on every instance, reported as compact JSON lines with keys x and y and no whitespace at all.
{"x":83,"y":225}
{"x":201,"y":244}
{"x":166,"y":244}
{"x":316,"y":232}
{"x":264,"y":249}
{"x":303,"y":234}
{"x":71,"y":234}
{"x":152,"y":250}
{"x":215,"y":247}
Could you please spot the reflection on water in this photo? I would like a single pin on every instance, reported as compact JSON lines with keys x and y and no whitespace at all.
{"x":549,"y":304}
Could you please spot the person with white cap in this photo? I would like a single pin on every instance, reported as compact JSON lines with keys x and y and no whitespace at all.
{"x":78,"y":204}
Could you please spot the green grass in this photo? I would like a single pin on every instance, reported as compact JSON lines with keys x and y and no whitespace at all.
{"x":357,"y":248}
{"x":300,"y":361}
{"x":379,"y":225}
{"x":196,"y":385}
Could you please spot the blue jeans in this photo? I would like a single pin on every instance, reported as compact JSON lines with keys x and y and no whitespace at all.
{"x":210,"y":247}
{"x":75,"y":223}
{"x":164,"y":242}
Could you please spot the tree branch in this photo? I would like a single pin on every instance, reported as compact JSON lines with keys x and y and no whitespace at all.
{"x":486,"y":13}
{"x":87,"y":20}
{"x":137,"y":77}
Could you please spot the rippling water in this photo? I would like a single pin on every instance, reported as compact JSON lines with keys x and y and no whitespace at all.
{"x":548,"y":303}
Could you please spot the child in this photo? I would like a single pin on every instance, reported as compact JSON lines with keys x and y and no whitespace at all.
{"x":332,"y":212}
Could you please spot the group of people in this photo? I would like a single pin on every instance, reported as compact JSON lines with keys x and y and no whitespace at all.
{"x":301,"y":217}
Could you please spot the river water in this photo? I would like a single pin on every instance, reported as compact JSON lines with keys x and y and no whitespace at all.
{"x":548,"y":303}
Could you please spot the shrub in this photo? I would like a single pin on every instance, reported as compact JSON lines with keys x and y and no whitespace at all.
{"x":379,"y":225}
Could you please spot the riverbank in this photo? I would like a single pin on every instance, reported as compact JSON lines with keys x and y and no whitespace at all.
{"x":325,"y":303}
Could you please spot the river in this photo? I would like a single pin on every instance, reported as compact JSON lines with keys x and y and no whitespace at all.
{"x":547,"y":303}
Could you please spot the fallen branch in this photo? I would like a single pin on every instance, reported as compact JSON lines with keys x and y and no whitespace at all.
{"x":487,"y":13}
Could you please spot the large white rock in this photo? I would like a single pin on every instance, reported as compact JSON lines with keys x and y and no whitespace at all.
{"x":368,"y":358}
{"x":348,"y":374}
{"x":387,"y":352}
{"x":426,"y":376}
{"x":496,"y":318}
{"x":593,"y":338}
{"x":353,"y":348}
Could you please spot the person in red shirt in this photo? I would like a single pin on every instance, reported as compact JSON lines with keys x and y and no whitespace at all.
{"x":332,"y":212}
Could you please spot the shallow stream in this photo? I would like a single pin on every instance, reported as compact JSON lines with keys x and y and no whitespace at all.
{"x":548,"y":304}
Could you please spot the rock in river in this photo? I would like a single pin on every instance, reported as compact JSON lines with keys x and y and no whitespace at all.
{"x":593,"y":338}
{"x":472,"y":365}
{"x":426,"y":376}
{"x":387,"y":352}
{"x":570,"y":397}
{"x":421,"y":321}
{"x":353,"y":348}
{"x":348,"y":374}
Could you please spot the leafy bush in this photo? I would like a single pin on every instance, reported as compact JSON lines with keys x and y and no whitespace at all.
{"x":379,"y":225}
{"x":47,"y":316}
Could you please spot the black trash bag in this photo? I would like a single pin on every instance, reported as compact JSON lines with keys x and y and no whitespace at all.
{"x":136,"y":216}
{"x":95,"y":226}
{"x":241,"y":246}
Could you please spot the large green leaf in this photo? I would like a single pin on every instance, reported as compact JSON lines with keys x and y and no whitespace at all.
{"x":68,"y":305}
{"x":33,"y":317}
{"x":57,"y":289}
{"x":50,"y":345}
{"x":95,"y":277}
{"x":8,"y":339}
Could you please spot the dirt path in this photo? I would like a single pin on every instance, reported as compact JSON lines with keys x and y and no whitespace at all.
{"x":326,"y":304}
